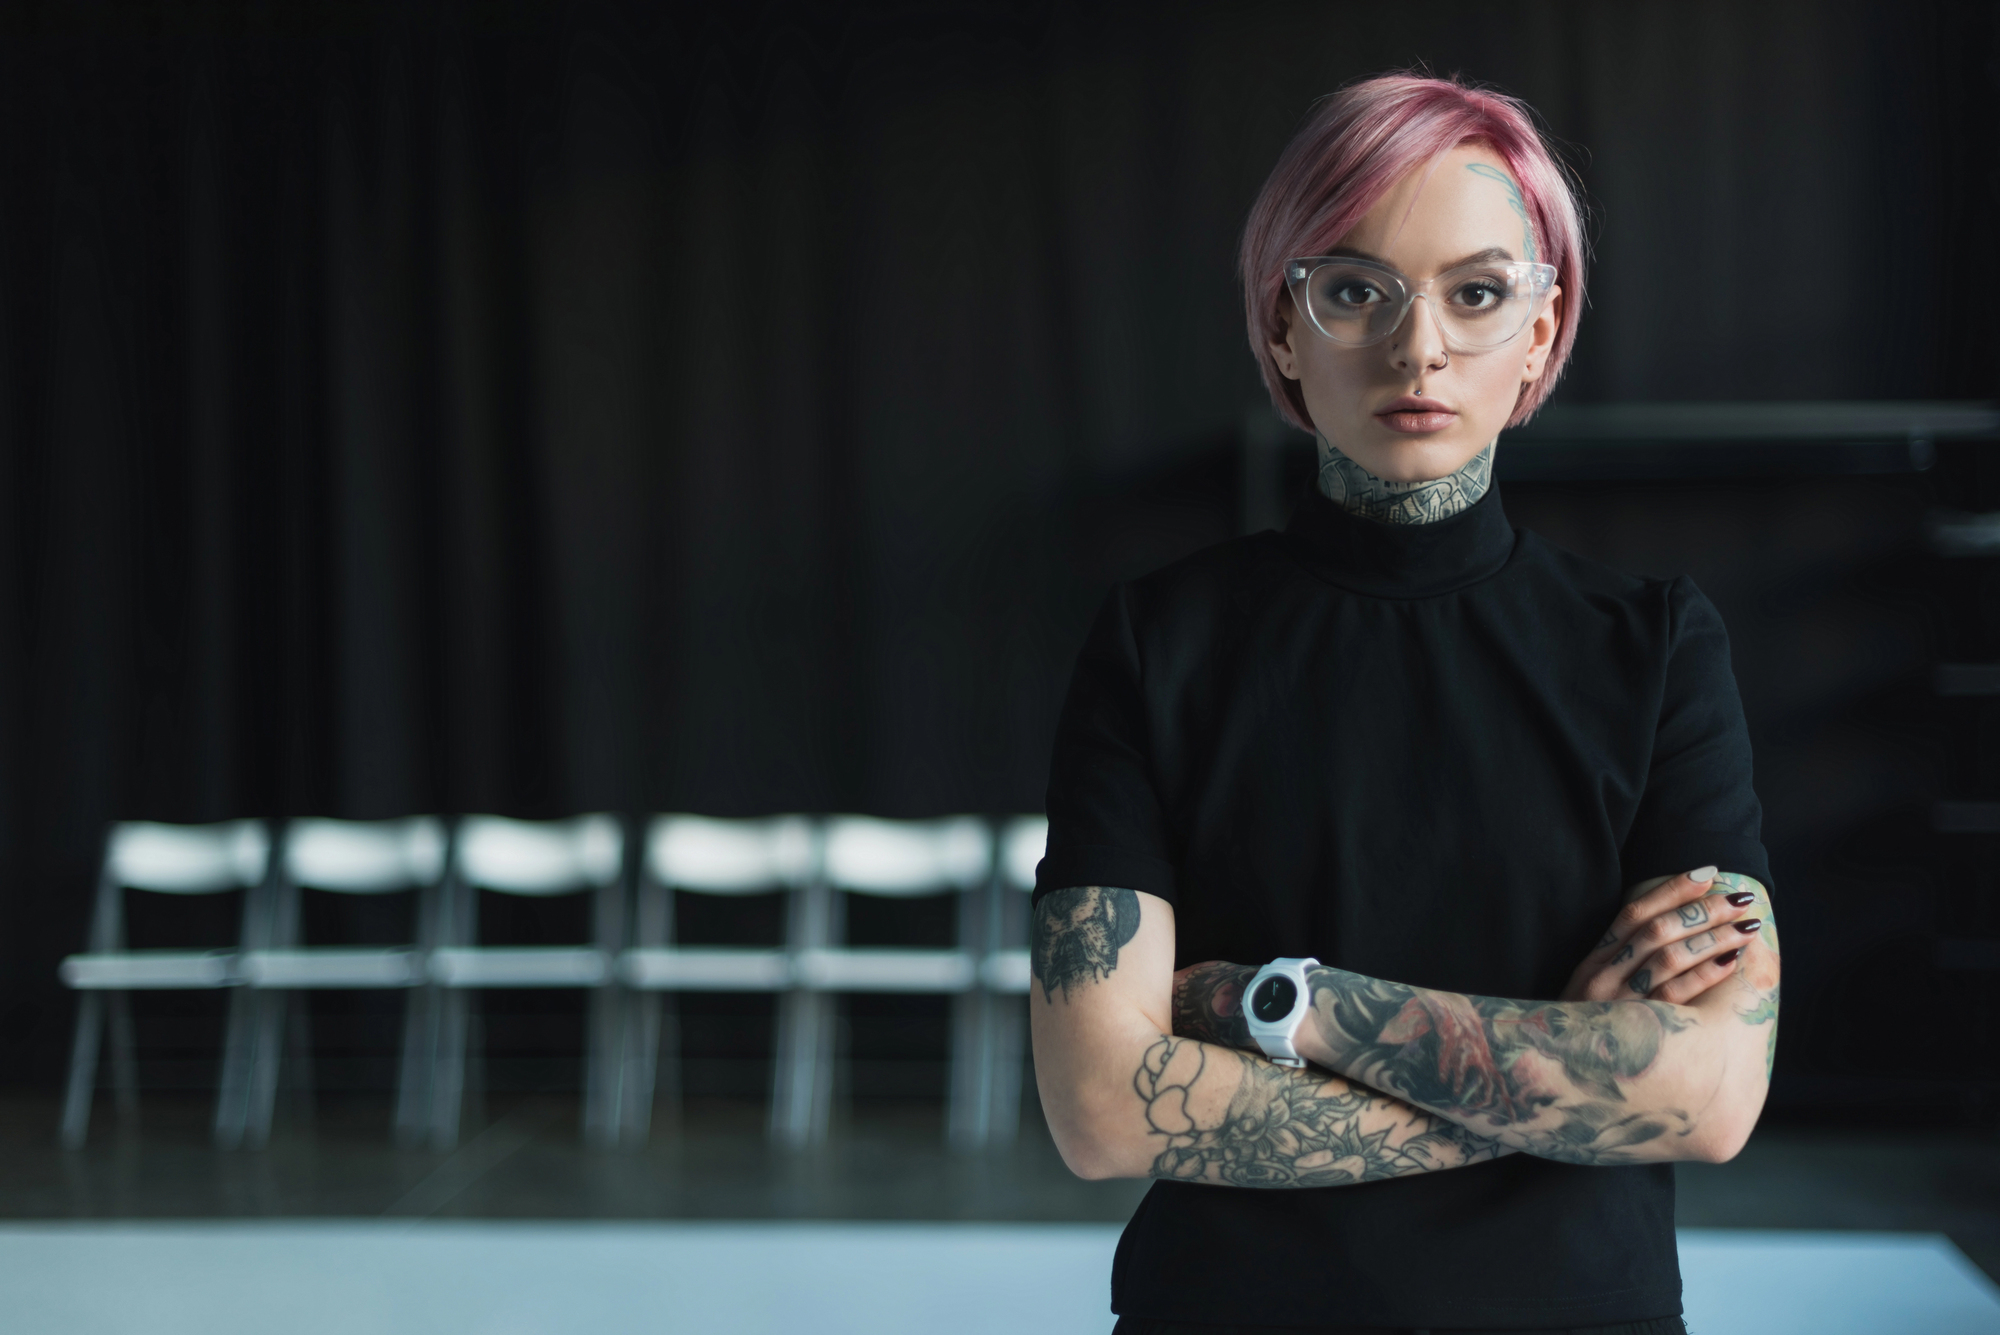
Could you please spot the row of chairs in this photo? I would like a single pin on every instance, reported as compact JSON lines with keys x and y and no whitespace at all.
{"x":630,"y":967}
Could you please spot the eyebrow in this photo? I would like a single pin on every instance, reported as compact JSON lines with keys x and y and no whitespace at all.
{"x":1478,"y":257}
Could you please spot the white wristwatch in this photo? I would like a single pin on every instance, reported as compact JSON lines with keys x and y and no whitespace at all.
{"x":1275,"y":1004}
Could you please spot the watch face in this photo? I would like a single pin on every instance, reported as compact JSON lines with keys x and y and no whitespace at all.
{"x":1274,"y":998}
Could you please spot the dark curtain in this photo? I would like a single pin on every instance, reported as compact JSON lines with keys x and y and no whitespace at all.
{"x":500,"y":407}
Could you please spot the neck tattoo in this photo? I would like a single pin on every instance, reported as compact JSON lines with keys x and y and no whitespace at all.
{"x":1354,"y":489}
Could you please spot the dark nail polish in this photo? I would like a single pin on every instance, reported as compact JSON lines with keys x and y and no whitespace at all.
{"x":1740,"y":898}
{"x":1749,"y":925}
{"x":1728,"y":955}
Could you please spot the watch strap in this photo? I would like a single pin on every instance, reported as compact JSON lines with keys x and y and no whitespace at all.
{"x":1276,"y":1037}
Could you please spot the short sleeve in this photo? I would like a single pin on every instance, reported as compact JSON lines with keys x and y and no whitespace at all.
{"x":1106,"y":824}
{"x":1699,"y":807}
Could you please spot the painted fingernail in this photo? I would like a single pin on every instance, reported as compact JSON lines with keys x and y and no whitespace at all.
{"x":1728,"y":955}
{"x":1749,"y":925}
{"x":1740,"y":898}
{"x":1702,"y":874}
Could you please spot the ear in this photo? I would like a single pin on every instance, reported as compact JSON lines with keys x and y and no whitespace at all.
{"x":1281,"y":349}
{"x":1542,"y":336}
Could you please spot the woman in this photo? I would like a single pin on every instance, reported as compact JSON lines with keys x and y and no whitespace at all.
{"x":1417,"y":761}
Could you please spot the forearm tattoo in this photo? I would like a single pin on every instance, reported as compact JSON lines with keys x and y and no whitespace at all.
{"x":1358,"y":491}
{"x":1756,"y":980}
{"x":1547,"y":1073}
{"x":1077,"y":936}
{"x":1208,"y":1004}
{"x":1237,"y":1120}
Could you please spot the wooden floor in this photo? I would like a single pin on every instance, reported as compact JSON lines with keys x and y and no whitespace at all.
{"x":885,"y":1161}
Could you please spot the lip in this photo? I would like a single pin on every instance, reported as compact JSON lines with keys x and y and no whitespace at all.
{"x":1412,"y":416}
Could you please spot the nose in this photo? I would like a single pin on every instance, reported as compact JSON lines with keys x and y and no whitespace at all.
{"x":1418,"y":344}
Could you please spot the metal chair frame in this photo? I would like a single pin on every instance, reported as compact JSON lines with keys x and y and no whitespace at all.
{"x":1005,"y":978}
{"x":860,"y":855}
{"x":582,"y":855}
{"x":632,"y":1027}
{"x":353,"y":858}
{"x":161,"y":859}
{"x":707,"y":856}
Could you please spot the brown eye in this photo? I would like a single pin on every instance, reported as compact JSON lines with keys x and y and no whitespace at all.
{"x":1477,"y":297}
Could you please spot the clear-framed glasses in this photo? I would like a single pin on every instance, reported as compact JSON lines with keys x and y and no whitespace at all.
{"x":1478,"y":307}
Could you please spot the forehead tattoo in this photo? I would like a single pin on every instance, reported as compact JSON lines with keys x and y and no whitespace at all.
{"x":1514,"y":201}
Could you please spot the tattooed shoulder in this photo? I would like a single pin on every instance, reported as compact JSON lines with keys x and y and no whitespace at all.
{"x":1078,"y":934}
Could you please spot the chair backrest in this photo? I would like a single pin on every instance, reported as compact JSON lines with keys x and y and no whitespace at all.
{"x":364,"y":857}
{"x":187,"y":859}
{"x":1022,"y":843}
{"x":729,"y":857}
{"x":558,"y":857}
{"x":892,"y":857}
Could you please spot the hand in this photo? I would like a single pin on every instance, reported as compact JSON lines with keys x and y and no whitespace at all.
{"x":1671,"y":943}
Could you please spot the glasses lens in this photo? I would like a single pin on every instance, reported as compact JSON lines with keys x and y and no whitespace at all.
{"x":1353,"y":303}
{"x":1482,"y":306}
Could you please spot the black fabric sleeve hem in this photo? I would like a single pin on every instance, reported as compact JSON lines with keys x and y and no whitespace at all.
{"x":1100,"y":864}
{"x":1676,"y":851}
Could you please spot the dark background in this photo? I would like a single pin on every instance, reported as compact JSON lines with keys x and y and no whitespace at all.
{"x":515,"y":408}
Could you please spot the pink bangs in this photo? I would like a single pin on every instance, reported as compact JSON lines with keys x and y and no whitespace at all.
{"x":1355,"y":146}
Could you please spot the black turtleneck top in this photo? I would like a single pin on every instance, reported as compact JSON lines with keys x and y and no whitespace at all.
{"x":1435,"y":754}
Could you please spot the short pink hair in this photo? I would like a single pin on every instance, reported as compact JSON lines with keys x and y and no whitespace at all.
{"x":1353,"y":148}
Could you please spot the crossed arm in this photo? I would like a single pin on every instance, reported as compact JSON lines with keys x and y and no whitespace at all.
{"x":1146,"y":1074}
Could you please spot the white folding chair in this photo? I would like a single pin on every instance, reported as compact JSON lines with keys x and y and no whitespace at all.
{"x":1024,"y":840}
{"x":541,"y":858}
{"x":706,"y":856}
{"x":348,"y":858}
{"x":905,"y":859}
{"x":164,"y":859}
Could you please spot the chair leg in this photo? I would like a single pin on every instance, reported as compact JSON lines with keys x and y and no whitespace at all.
{"x":666,"y":1071}
{"x":786,"y":1070}
{"x":802,"y":1084}
{"x":651,"y":1054}
{"x":266,"y":1060}
{"x":418,"y":1060}
{"x":82,"y":1069}
{"x":448,"y":1070}
{"x":819,"y":1111}
{"x":232,"y":1100}
{"x":969,"y":1107}
{"x":603,"y":1068}
{"x":124,"y":1057}
{"x":1010,"y":1029}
